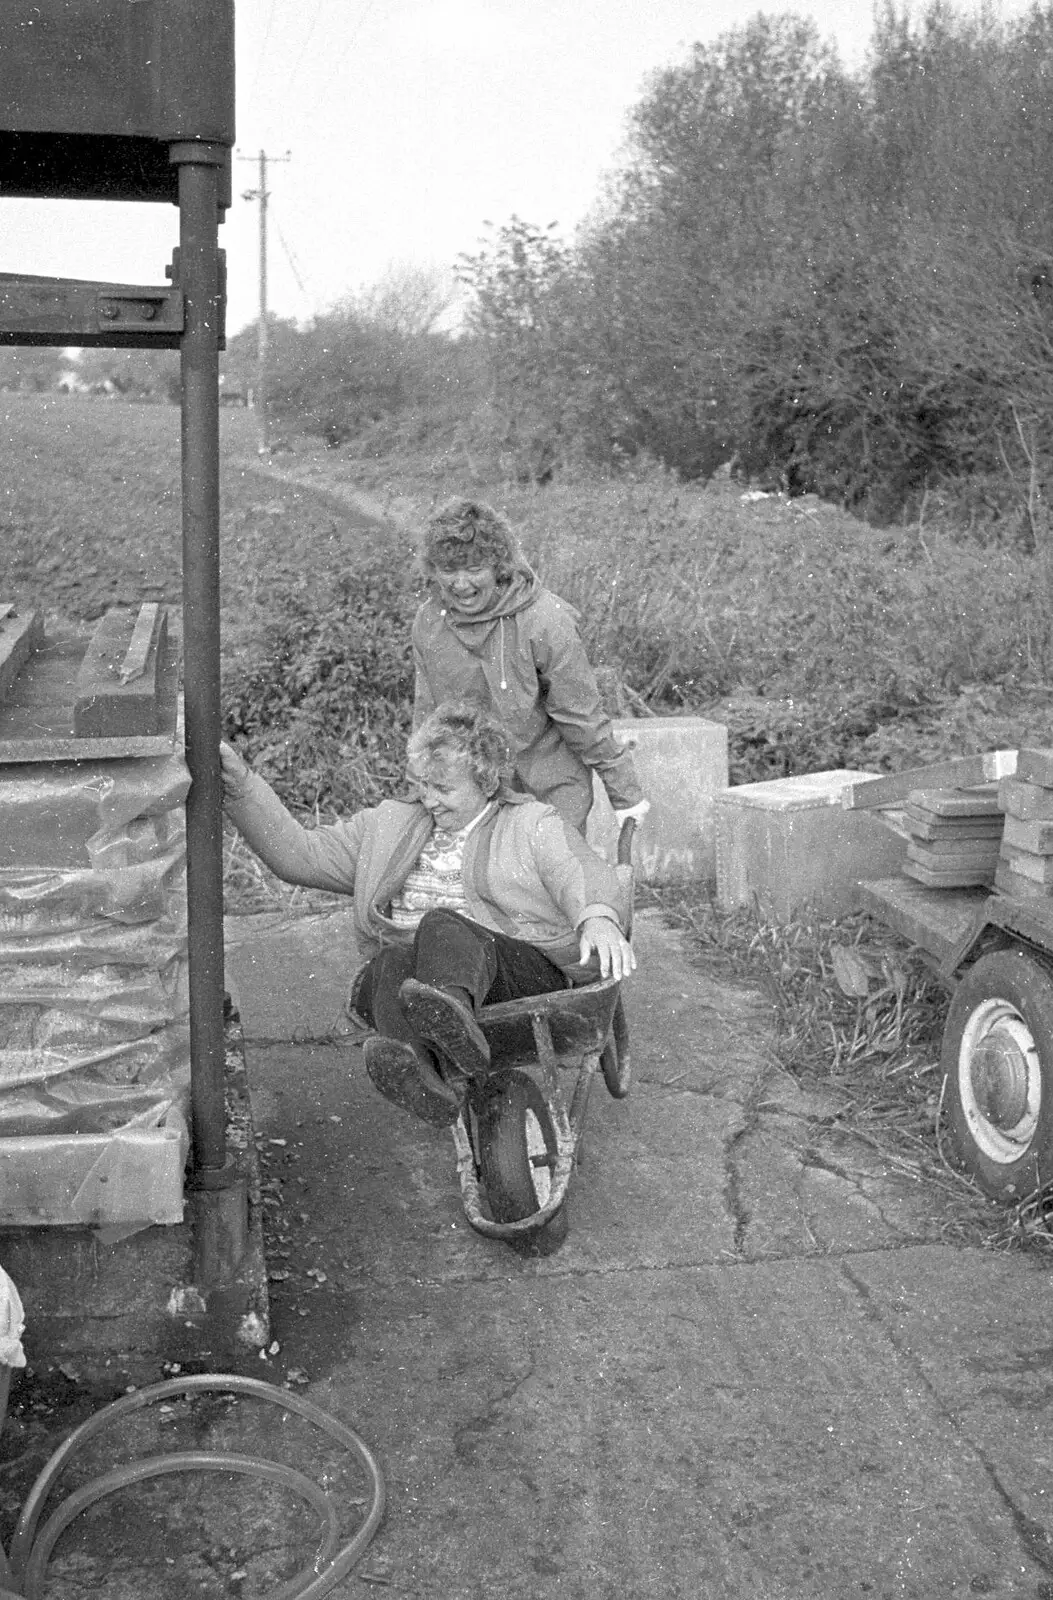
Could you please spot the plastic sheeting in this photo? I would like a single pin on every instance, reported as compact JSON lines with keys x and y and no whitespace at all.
{"x":132,"y":1177}
{"x":94,"y":1035}
{"x":12,"y":1324}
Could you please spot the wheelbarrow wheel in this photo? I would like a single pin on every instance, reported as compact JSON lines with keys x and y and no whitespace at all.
{"x":615,"y":1062}
{"x":517,"y":1153}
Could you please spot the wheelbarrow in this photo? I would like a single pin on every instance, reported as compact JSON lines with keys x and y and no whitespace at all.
{"x":519,"y":1136}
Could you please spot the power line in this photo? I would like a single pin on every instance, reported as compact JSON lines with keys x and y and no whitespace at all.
{"x":337,"y":64}
{"x":290,"y":259}
{"x":303,"y":48}
{"x":261,"y":58}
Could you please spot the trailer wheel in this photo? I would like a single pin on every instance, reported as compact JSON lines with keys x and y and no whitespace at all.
{"x":997,"y":1061}
{"x":517,"y":1155}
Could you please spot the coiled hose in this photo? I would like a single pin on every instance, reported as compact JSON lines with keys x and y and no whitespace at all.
{"x":29,"y":1550}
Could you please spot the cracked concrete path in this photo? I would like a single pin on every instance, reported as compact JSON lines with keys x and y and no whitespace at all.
{"x":756,"y":1369}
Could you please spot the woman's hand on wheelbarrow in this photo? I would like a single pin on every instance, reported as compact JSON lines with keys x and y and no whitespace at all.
{"x":602,"y":937}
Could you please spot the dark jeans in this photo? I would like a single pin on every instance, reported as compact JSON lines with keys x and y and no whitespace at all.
{"x":450,"y":951}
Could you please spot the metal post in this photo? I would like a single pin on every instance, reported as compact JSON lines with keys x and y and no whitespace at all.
{"x":261,"y":359}
{"x":199,"y":172}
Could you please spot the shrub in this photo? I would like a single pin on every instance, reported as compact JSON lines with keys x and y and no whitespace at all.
{"x":322,"y":705}
{"x":818,"y":643}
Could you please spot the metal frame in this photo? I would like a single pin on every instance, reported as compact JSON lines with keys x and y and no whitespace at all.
{"x":106,"y":101}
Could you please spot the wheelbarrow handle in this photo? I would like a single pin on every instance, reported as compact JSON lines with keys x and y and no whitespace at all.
{"x":625,"y":842}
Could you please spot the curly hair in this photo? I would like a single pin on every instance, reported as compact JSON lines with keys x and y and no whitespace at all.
{"x":465,"y":728}
{"x":467,"y":533}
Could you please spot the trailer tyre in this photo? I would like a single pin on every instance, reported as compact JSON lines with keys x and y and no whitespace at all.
{"x":517,"y":1154}
{"x":997,"y":1061}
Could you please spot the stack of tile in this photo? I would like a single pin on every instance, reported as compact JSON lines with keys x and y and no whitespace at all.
{"x":954,"y":837}
{"x":1025,"y":865}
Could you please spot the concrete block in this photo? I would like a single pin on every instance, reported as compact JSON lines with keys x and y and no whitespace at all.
{"x":1035,"y":766}
{"x":1017,"y":884}
{"x":683,"y":765}
{"x":1029,"y":802}
{"x":118,"y":689}
{"x":1034,"y":836}
{"x":20,"y":634}
{"x":1038,"y":868}
{"x":790,"y":846}
{"x":119,"y":1299}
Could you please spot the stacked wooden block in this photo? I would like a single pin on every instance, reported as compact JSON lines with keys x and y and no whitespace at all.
{"x":1025,"y":865}
{"x":954,"y":837}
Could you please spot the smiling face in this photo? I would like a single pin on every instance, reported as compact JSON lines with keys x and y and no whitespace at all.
{"x":467,"y":590}
{"x":447,"y":790}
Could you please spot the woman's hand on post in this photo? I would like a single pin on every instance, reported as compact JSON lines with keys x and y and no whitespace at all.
{"x":602,"y":937}
{"x":234,"y":771}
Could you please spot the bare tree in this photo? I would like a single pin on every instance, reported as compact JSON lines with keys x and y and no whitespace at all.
{"x":410,"y":299}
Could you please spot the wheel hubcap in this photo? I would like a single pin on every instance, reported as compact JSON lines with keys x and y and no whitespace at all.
{"x":1000,"y":1080}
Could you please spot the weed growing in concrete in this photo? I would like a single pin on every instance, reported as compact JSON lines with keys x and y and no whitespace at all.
{"x":855,"y":1013}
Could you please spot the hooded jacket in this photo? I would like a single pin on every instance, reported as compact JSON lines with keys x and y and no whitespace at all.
{"x":524,"y":660}
{"x":526,"y":872}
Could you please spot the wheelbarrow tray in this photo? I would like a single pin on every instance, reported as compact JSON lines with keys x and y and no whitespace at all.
{"x":579,"y":1022}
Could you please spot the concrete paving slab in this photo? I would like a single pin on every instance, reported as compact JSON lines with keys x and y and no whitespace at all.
{"x":796,"y":1195}
{"x":747,"y":1375}
{"x":726,"y":1433}
{"x":749,"y":1372}
{"x":289,"y":976}
{"x":973,"y":1327}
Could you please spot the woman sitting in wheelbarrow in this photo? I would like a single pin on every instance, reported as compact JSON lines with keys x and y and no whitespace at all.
{"x":469,"y":893}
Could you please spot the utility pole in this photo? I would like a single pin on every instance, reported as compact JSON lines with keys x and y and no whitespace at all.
{"x":262,"y":194}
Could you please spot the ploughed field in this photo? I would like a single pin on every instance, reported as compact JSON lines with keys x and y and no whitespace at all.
{"x":90,"y":512}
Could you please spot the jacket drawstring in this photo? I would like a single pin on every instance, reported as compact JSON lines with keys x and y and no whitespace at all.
{"x":504,"y":683}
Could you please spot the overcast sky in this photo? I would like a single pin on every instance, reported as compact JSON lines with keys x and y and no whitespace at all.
{"x":408,"y":124}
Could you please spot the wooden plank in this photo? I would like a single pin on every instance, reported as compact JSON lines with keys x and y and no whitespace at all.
{"x":21,"y":632}
{"x":961,"y":772}
{"x":134,"y":663}
{"x":117,"y":691}
{"x":936,"y":921}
